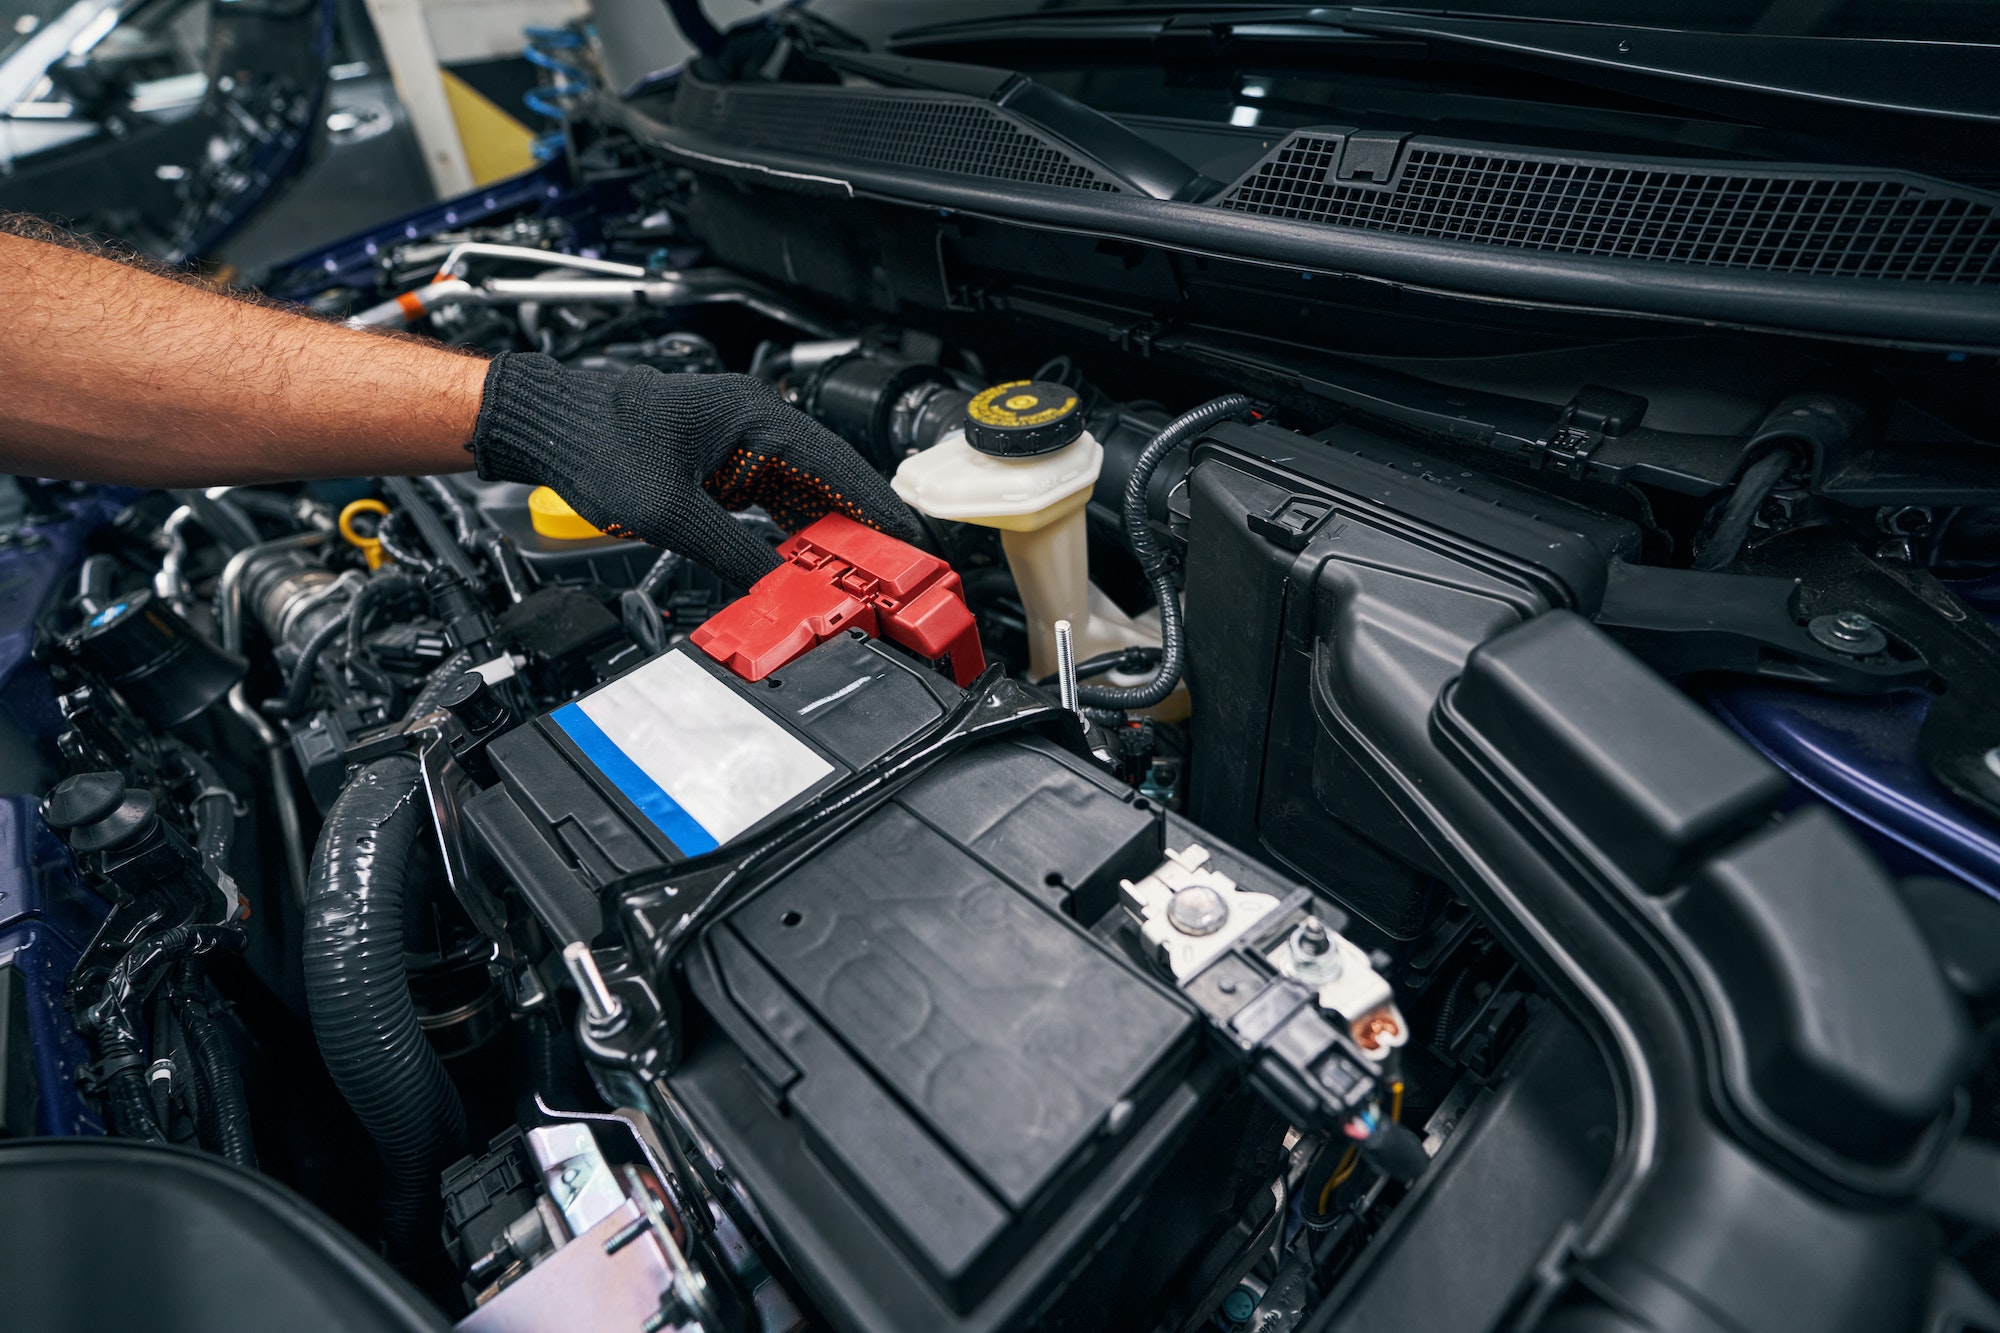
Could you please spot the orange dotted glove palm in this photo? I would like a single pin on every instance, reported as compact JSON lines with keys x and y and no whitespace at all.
{"x":663,"y":457}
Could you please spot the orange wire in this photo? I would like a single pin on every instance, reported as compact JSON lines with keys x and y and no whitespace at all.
{"x":1350,"y":1159}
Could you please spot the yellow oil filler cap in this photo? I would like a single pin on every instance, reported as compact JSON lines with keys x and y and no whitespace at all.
{"x":551,"y":516}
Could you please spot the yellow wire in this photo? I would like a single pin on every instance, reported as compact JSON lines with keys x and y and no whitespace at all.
{"x":1349,"y":1159}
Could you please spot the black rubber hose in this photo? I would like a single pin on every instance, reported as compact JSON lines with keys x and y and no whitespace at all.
{"x":553,"y":1063}
{"x":389,"y":533}
{"x":409,"y":500}
{"x":661,"y":573}
{"x":127,"y":1107}
{"x":214,"y":813}
{"x":358,"y":991}
{"x":372,"y":592}
{"x":293,"y":702}
{"x":134,"y":975}
{"x":1733,"y":528}
{"x":1139,"y":532}
{"x":226,"y":1107}
{"x":359,"y":996}
{"x":643,"y":620}
{"x":464,"y":526}
{"x":505,"y":558}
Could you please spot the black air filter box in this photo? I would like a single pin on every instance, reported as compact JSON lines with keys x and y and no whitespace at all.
{"x":1334,"y":584}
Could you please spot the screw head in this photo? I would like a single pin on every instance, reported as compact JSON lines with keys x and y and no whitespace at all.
{"x":1851,"y":632}
{"x":1197,"y":910}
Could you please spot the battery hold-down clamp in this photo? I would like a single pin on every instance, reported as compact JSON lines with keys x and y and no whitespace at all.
{"x":841,"y":575}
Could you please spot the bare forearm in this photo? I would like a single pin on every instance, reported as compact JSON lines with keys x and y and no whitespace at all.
{"x":109,"y":373}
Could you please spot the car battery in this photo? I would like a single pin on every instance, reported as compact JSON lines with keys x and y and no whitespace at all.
{"x":679,"y":756}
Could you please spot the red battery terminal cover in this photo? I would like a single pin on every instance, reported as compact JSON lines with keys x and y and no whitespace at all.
{"x":841,"y":575}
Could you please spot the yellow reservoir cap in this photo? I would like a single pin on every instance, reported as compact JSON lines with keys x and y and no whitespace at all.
{"x":552,"y":517}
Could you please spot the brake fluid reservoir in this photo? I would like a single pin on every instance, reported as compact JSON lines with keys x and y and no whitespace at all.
{"x":1023,"y":463}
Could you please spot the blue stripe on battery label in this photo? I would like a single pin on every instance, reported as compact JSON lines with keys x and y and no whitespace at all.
{"x":651,"y":798}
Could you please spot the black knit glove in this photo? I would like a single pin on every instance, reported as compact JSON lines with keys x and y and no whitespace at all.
{"x":659,"y":457}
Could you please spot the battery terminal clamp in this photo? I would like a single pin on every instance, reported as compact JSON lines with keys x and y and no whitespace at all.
{"x":841,"y":575}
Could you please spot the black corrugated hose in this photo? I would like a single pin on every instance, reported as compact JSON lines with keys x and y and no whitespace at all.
{"x":225,"y":1107}
{"x":1732,"y":529}
{"x":358,"y":991}
{"x":128,"y":1105}
{"x":1139,"y":532}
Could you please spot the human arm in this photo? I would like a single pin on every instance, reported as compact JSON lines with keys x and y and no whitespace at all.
{"x":115,"y":373}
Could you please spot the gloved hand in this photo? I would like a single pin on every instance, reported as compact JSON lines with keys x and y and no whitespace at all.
{"x":659,"y":457}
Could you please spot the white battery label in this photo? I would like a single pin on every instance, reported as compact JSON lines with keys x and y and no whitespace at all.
{"x":697,"y":759}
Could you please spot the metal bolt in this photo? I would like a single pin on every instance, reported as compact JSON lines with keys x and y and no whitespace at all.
{"x":1197,"y":910}
{"x":1314,"y":959}
{"x":601,"y":1008}
{"x":1850,"y":632}
{"x":673,"y":1310}
{"x":1066,"y":666}
{"x":626,"y":1234}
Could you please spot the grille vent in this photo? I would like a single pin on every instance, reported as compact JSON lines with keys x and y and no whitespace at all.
{"x":924,"y":131}
{"x":1815,"y":224}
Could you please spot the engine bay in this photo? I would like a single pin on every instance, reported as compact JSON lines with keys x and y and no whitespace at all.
{"x":1301,"y":844}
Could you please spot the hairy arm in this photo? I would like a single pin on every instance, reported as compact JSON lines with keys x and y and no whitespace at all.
{"x":109,"y":372}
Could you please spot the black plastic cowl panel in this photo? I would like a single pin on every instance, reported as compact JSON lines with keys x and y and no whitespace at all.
{"x":1835,"y":1039}
{"x":929,"y":131}
{"x":1751,"y":216}
{"x":1943,"y":314}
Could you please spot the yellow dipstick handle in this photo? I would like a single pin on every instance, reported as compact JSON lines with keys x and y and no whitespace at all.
{"x":551,"y":516}
{"x":370,"y":547}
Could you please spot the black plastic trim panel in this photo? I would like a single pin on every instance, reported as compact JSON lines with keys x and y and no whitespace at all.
{"x":1926,"y":314}
{"x":1881,"y":226}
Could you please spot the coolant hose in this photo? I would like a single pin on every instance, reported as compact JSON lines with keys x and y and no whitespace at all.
{"x":359,"y":996}
{"x":1139,"y":532}
{"x":358,"y":992}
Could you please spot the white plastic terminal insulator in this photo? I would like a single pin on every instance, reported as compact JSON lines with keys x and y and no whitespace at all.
{"x":1349,"y":985}
{"x":1151,"y":900}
